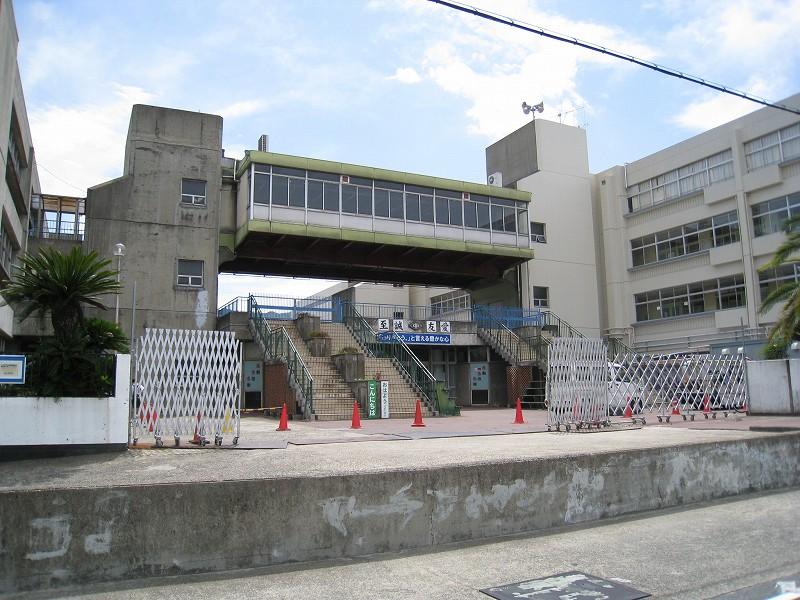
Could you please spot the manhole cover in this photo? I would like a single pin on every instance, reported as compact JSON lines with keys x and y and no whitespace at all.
{"x":572,"y":585}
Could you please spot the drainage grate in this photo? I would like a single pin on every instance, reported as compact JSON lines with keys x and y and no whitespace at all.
{"x":572,"y":584}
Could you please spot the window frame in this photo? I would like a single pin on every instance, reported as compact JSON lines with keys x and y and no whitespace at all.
{"x":188,"y":283}
{"x":194,"y":199}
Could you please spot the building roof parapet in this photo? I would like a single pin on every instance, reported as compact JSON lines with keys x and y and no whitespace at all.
{"x":313,"y":164}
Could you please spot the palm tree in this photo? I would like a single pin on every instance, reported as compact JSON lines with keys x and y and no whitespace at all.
{"x":61,"y":285}
{"x":75,"y":361}
{"x":788,"y":324}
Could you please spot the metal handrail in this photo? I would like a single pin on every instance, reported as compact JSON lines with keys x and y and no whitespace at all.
{"x":411,"y":366}
{"x":520,"y":350}
{"x":278,"y":345}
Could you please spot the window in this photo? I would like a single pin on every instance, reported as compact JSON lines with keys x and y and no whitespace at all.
{"x":679,"y":182}
{"x":193,"y":191}
{"x":541,"y":297}
{"x":774,"y":278}
{"x":691,"y":238}
{"x":537,"y":233}
{"x":692,"y":298}
{"x":449,"y":302}
{"x":261,"y":185}
{"x":6,"y":250}
{"x":190,"y":273}
{"x":774,"y":147}
{"x":769,"y":216}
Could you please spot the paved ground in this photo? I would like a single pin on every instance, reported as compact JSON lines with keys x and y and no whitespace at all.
{"x":706,"y":551}
{"x":306,"y":451}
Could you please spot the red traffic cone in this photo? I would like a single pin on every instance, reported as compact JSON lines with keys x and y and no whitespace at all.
{"x":675,"y":409}
{"x":418,"y":416}
{"x":283,"y":425}
{"x":356,"y":422}
{"x":518,"y":420}
{"x":628,"y":412}
{"x":196,"y":439}
{"x":706,"y":405}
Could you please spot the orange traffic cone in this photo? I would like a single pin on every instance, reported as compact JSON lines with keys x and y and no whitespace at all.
{"x":418,"y":416}
{"x":706,"y":405}
{"x":283,"y":425}
{"x":196,"y":439}
{"x":675,"y":409}
{"x":628,"y":412}
{"x":356,"y":422}
{"x":518,"y":420}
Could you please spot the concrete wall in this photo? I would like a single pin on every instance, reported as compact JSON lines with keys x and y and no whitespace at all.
{"x":774,"y":387}
{"x":74,"y":536}
{"x":12,"y":100}
{"x":143,"y":210}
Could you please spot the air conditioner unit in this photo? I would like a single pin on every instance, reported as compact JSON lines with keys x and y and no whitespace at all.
{"x":495,"y":179}
{"x":345,"y":179}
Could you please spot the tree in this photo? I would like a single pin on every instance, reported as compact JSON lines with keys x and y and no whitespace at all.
{"x":76,"y":360}
{"x":61,"y":285}
{"x":787,"y":326}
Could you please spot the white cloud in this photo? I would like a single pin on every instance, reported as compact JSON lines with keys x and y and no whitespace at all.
{"x":406,"y":75}
{"x":495,"y":67}
{"x":243,"y":108}
{"x":83,"y":145}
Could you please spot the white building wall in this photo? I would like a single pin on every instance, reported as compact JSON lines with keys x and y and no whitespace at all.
{"x":562,"y":200}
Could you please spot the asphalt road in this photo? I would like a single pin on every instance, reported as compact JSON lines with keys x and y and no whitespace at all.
{"x":736,"y":550}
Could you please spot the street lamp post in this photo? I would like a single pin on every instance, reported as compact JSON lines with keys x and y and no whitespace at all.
{"x":119,"y":252}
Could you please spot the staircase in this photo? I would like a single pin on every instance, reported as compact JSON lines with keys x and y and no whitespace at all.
{"x":333,"y":399}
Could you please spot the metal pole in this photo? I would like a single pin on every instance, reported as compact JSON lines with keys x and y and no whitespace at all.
{"x":116,"y":296}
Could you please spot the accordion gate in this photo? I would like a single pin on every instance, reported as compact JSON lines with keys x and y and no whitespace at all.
{"x":188,"y":383}
{"x":585,"y":388}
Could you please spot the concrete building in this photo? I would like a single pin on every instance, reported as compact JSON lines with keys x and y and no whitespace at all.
{"x":21,"y":181}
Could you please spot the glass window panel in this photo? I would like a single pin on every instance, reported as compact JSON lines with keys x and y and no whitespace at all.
{"x":448,"y":193}
{"x":396,"y":204}
{"x":470,"y":214}
{"x":455,"y":212}
{"x":289,"y":171}
{"x":324,"y":176}
{"x":362,"y":181}
{"x":706,"y":239}
{"x":497,"y":218}
{"x":381,"y":203}
{"x":419,"y":189}
{"x":442,"y":216}
{"x":483,"y":216}
{"x":349,"y":202}
{"x":280,"y":190}
{"x":638,"y":257}
{"x":412,"y":207}
{"x":261,"y":188}
{"x":331,"y":197}
{"x":389,"y":185}
{"x":510,"y":219}
{"x":692,"y":243}
{"x":650,"y":254}
{"x":426,"y":209}
{"x":364,"y":201}
{"x":315,"y":195}
{"x":193,"y":187}
{"x":297,"y":193}
{"x":479,"y":198}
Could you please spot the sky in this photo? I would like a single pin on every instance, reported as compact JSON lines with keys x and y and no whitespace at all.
{"x":407,"y":85}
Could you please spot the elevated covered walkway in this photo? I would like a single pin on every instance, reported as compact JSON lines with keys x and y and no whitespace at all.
{"x":305,"y":217}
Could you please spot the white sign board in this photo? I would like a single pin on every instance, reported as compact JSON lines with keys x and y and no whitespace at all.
{"x":430,"y":327}
{"x":398,"y":324}
{"x":12,"y":368}
{"x":383,"y":324}
{"x":384,"y":399}
{"x":444,"y":326}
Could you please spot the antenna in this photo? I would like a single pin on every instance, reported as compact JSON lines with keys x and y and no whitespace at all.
{"x":528,"y":109}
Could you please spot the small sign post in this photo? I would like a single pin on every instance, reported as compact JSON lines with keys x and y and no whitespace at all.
{"x":373,"y":410}
{"x":12,"y":368}
{"x":384,"y":399}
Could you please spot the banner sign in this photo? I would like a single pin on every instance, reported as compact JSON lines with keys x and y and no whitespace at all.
{"x":414,"y":338}
{"x":372,"y":400}
{"x":12,"y":368}
{"x":384,"y":399}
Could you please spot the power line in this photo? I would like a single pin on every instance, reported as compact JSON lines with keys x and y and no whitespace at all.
{"x":503,"y":20}
{"x":40,"y":165}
